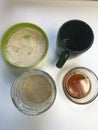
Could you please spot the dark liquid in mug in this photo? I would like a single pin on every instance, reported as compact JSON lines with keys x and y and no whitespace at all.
{"x":77,"y":85}
{"x":76,"y":36}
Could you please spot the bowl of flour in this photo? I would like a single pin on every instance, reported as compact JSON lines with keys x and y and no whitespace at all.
{"x":24,"y":45}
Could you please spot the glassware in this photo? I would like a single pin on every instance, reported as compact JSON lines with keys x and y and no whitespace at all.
{"x":80,"y":85}
{"x":33,"y":92}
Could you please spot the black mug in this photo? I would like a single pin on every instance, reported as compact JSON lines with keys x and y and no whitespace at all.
{"x":74,"y":37}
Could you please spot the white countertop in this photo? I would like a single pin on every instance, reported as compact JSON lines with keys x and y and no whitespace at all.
{"x":50,"y":15}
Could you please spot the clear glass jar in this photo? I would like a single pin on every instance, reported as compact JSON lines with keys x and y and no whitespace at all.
{"x":80,"y":85}
{"x":33,"y":92}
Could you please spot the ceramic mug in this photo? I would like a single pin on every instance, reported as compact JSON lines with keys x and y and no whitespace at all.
{"x":74,"y":37}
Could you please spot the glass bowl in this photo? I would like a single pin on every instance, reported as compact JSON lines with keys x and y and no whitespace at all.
{"x":80,"y":85}
{"x":33,"y":92}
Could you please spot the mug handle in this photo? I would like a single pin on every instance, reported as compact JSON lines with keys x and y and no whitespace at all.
{"x":64,"y":56}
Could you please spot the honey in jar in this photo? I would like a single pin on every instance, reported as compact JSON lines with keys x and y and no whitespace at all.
{"x":77,"y":85}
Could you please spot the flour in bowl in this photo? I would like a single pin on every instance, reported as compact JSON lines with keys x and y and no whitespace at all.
{"x":26,"y":47}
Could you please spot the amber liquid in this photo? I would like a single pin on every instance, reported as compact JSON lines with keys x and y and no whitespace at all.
{"x":77,"y":85}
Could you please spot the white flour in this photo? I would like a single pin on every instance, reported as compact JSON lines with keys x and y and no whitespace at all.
{"x":26,"y":47}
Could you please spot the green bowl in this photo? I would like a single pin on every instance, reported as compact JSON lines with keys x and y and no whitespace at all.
{"x":11,"y":31}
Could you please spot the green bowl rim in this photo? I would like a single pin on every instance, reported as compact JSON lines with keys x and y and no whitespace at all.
{"x":13,"y":29}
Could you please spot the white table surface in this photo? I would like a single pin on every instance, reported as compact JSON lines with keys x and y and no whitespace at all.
{"x":63,"y":115}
